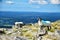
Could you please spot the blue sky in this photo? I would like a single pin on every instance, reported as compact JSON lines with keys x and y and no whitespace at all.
{"x":29,"y":6}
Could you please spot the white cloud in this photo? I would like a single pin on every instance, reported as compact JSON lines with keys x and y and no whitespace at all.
{"x":38,"y":1}
{"x":55,"y":1}
{"x":43,"y":2}
{"x":9,"y":2}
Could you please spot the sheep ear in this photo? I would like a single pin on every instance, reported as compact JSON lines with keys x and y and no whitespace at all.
{"x":39,"y":18}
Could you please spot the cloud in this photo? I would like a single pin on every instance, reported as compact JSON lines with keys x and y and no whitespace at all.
{"x":55,"y":1}
{"x":38,"y":1}
{"x":9,"y":2}
{"x":43,"y":2}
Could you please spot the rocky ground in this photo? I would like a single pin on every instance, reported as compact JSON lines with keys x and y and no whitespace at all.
{"x":30,"y":32}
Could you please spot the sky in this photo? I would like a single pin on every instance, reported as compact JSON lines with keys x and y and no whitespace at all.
{"x":30,"y":5}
